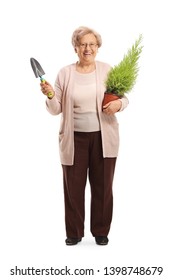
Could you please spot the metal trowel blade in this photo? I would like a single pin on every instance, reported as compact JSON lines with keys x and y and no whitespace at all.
{"x":36,"y":67}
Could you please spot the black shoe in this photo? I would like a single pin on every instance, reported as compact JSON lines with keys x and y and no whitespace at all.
{"x":101,"y":240}
{"x":72,"y":241}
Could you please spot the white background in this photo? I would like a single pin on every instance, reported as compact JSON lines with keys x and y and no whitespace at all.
{"x":31,"y":199}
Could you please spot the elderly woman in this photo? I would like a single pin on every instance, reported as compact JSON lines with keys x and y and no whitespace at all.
{"x":88,"y":137}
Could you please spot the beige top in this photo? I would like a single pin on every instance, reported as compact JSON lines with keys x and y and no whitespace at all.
{"x":85,"y":108}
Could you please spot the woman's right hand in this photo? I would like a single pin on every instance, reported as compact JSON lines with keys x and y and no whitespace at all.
{"x":46,"y":89}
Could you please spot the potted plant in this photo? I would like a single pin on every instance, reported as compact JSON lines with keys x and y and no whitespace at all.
{"x":122,"y":78}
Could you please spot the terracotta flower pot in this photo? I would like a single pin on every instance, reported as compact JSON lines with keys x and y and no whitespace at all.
{"x":108,"y":97}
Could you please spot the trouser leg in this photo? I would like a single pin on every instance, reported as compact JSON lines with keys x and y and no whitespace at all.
{"x":101,"y":173}
{"x":75,"y":177}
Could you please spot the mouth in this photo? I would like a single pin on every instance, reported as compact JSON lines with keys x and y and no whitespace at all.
{"x":87,"y":54}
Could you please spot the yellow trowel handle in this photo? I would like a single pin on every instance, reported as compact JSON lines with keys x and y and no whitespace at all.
{"x":50,"y":94}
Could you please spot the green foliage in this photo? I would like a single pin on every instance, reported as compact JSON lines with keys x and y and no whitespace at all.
{"x":122,"y":78}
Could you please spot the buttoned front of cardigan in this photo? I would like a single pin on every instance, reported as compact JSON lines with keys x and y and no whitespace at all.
{"x":63,"y":103}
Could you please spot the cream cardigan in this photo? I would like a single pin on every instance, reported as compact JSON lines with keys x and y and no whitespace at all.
{"x":63,"y":103}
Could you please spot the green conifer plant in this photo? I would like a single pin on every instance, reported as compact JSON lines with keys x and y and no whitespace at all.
{"x":122,"y":77}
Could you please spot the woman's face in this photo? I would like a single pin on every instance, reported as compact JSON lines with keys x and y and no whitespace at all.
{"x":87,"y":49}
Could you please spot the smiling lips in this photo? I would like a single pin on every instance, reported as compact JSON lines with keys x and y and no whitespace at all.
{"x":87,"y":53}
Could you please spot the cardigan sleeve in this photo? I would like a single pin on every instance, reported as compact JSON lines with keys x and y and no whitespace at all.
{"x":124,"y":102}
{"x":54,"y":105}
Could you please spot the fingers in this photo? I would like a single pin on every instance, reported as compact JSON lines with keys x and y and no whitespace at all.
{"x":106,"y":105}
{"x":107,"y":110}
{"x":46,"y":88}
{"x":112,"y":107}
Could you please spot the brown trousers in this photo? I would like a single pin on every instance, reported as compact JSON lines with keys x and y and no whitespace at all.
{"x":88,"y":161}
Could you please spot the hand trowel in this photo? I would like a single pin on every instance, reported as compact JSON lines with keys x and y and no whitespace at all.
{"x":39,"y":72}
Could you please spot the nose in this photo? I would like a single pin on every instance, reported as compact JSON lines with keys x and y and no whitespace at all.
{"x":87,"y":46}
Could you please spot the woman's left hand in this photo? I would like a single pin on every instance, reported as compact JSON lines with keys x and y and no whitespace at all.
{"x":112,"y":107}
